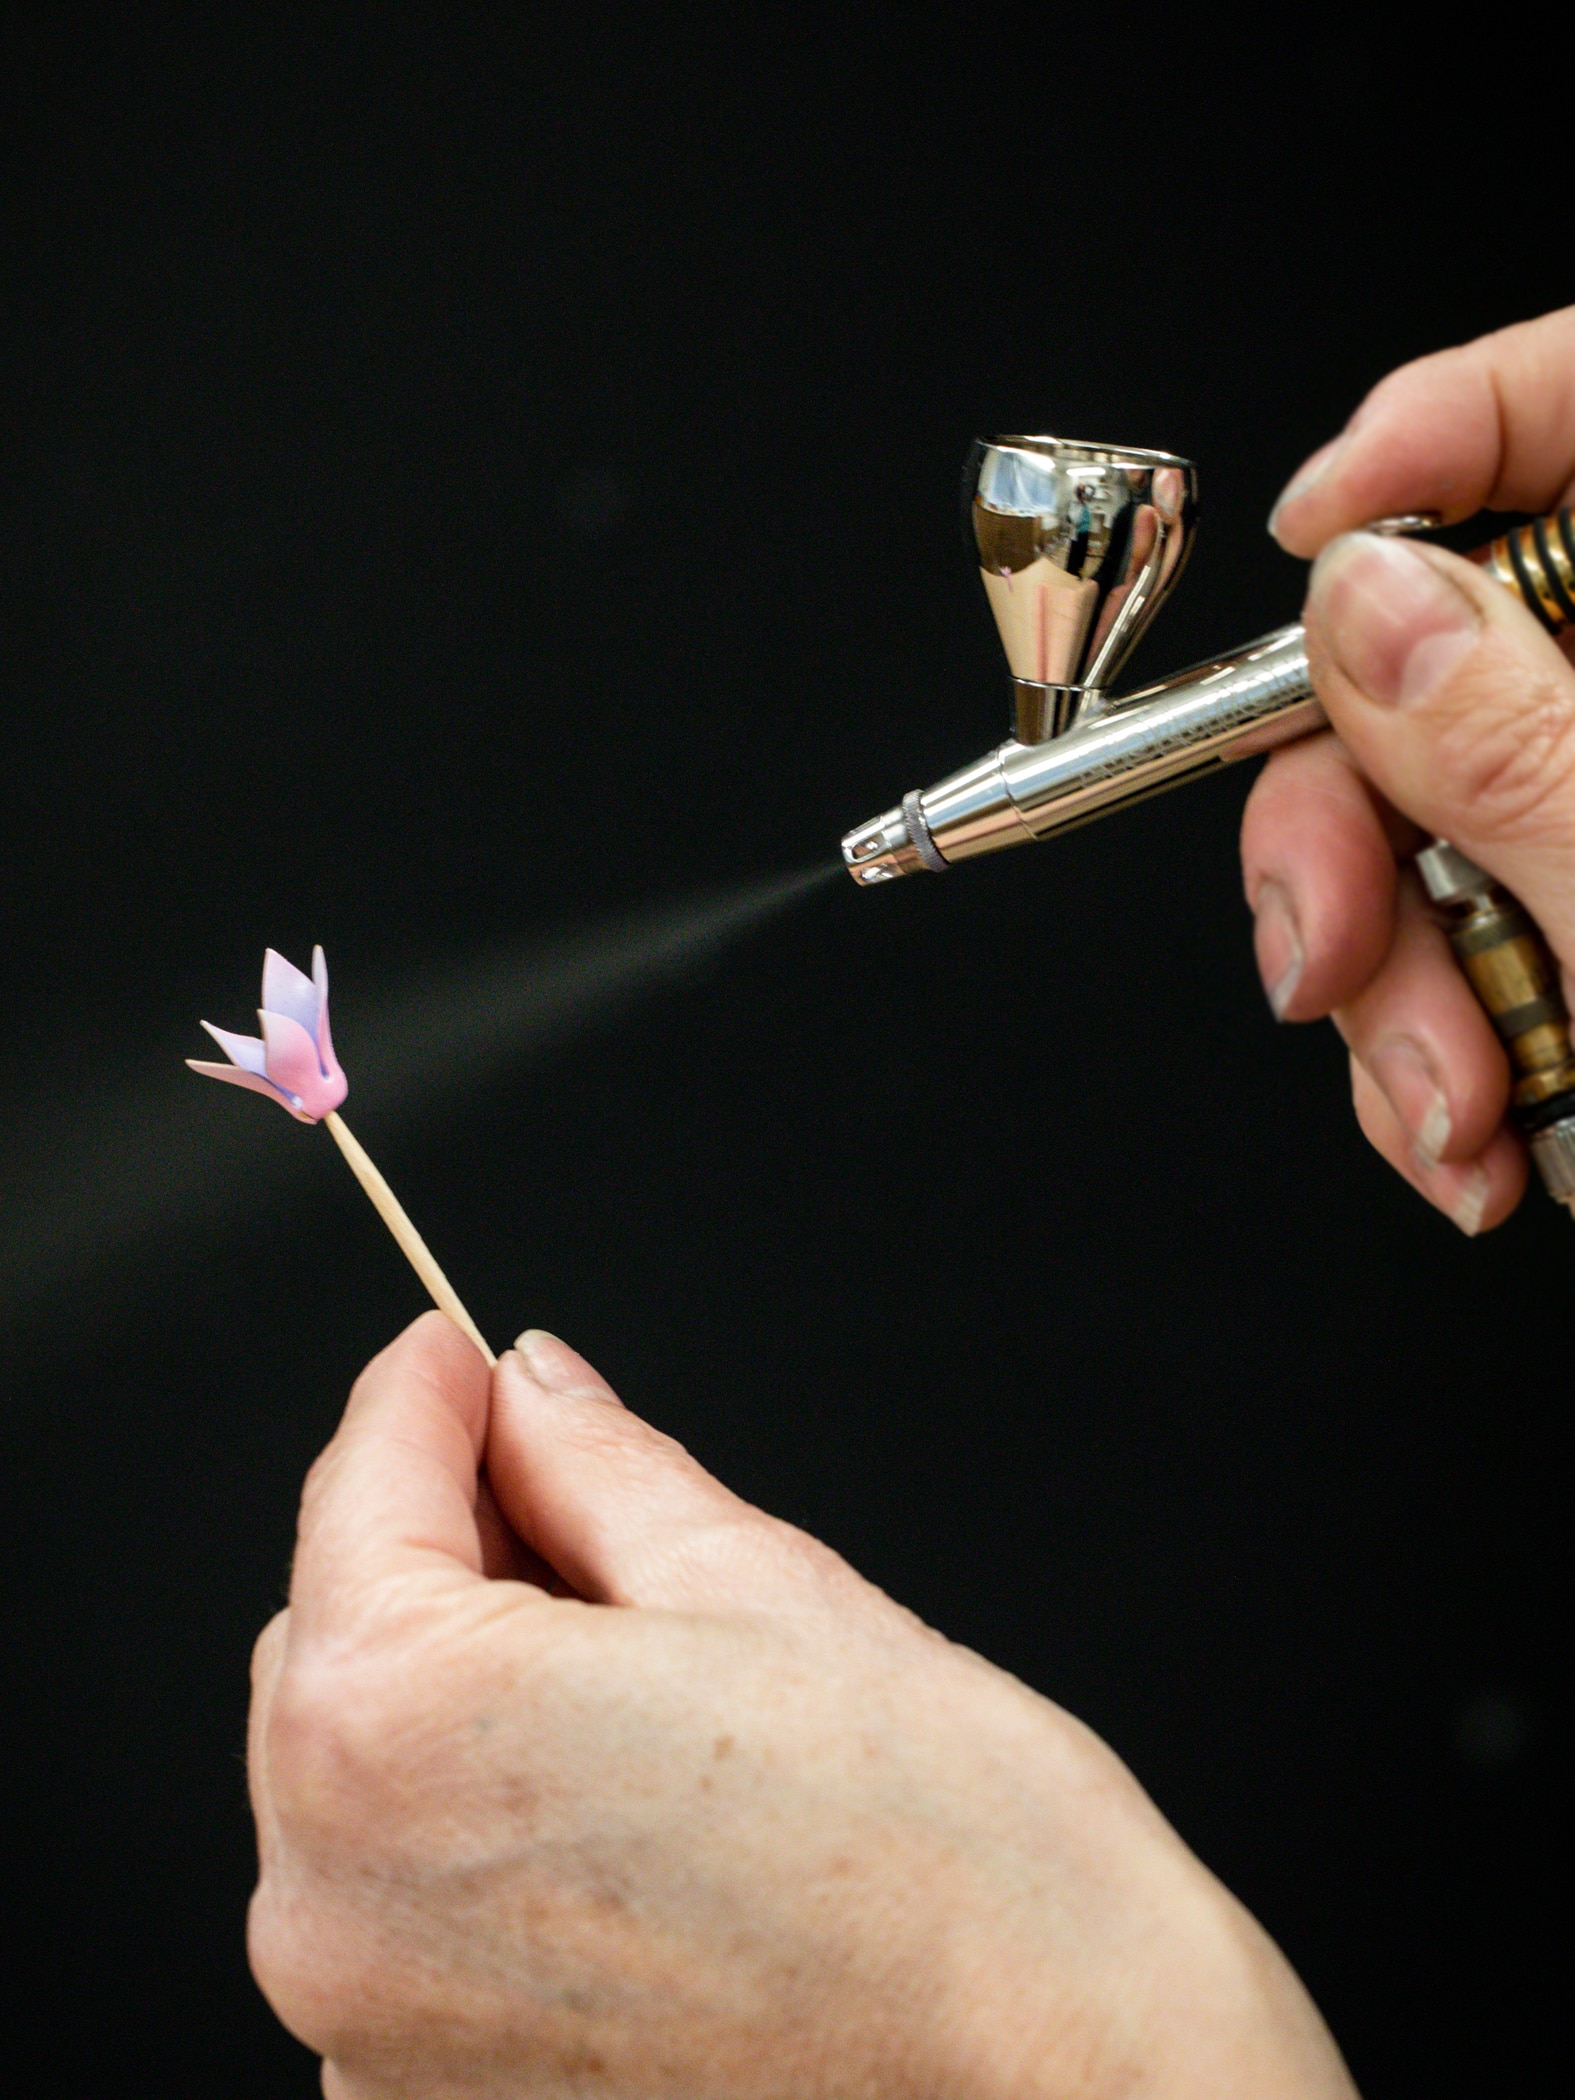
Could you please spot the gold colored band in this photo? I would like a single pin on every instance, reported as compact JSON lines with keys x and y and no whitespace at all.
{"x":1555,"y":539}
{"x":1496,"y":561}
{"x":1531,"y":562}
{"x":1537,"y":563}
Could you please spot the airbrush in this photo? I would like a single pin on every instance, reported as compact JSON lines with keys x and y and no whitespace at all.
{"x":1079,"y":545}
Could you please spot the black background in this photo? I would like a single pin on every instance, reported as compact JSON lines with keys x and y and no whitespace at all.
{"x":473,"y":478}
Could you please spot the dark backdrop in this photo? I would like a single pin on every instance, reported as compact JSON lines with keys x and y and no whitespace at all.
{"x":474,"y":481}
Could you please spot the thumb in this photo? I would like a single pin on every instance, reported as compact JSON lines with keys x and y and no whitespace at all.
{"x":619,"y":1510}
{"x":1458,"y":706}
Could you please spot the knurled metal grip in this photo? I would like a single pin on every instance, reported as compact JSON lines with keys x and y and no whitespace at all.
{"x":919,"y":833}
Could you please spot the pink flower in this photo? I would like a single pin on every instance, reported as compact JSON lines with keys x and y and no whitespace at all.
{"x":294,"y":1063}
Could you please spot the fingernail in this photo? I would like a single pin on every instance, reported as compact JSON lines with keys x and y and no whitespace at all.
{"x":1394,"y":625}
{"x":550,"y":1362}
{"x":1410,"y":1085}
{"x":560,"y":1369}
{"x":1277,"y":943}
{"x":1307,"y":477}
{"x":1470,"y":1201}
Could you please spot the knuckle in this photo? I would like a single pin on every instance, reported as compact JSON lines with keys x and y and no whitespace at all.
{"x":811,"y":1582}
{"x":804,"y":1565}
{"x":315,"y":1970}
{"x":715,"y":1555}
{"x":607,"y":1434}
{"x":740,"y":1553}
{"x":603,"y":1428}
{"x":317,"y":1486}
{"x":802,"y":1551}
{"x":1508,"y":755}
{"x":266,"y":1647}
{"x":330,"y":1743}
{"x":277,"y":1950}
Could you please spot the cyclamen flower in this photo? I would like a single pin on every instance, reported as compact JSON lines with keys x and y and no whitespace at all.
{"x":294,"y":1062}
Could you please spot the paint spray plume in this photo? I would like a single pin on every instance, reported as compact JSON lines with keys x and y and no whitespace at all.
{"x":142,"y":1170}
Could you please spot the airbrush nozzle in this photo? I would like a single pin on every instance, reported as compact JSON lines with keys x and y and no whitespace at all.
{"x":895,"y":844}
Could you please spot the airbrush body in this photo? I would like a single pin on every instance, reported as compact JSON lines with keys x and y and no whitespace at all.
{"x":1079,"y":545}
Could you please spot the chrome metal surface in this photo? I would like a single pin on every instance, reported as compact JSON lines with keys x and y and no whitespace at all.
{"x":1079,"y":545}
{"x":913,"y":822}
{"x":1043,"y":711}
{"x":881,"y":850}
{"x":1406,"y":521}
{"x":1447,"y":875}
{"x":1553,"y":1156}
{"x":1229,"y":708}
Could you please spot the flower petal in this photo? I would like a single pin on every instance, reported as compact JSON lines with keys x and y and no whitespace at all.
{"x":289,"y":991}
{"x":294,"y":1069}
{"x":255,"y":1081}
{"x":325,"y":1042}
{"x":248,"y":1052}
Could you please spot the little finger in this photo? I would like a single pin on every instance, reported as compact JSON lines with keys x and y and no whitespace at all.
{"x":1474,"y":1195}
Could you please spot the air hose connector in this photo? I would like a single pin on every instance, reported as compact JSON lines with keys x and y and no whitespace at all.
{"x":1516,"y":979}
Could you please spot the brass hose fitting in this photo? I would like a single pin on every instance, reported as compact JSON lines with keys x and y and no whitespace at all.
{"x":1516,"y":981}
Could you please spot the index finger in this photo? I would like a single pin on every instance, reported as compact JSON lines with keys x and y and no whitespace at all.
{"x":1487,"y":426}
{"x":393,"y":1497}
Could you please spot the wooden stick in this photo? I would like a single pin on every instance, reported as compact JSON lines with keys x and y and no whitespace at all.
{"x":392,"y":1212}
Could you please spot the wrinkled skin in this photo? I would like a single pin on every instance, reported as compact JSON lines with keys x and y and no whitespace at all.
{"x":1455,"y":714}
{"x":592,"y":1779}
{"x":573,"y":1774}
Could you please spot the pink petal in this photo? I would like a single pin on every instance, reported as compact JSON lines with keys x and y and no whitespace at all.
{"x":250,"y":1054}
{"x":289,"y":991}
{"x":294,"y":1069}
{"x":258,"y":1085}
{"x":325,"y":1042}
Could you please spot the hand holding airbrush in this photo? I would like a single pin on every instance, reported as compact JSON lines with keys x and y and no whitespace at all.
{"x":1079,"y":544}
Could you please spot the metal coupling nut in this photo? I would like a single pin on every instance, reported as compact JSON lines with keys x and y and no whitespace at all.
{"x":1553,"y":1155}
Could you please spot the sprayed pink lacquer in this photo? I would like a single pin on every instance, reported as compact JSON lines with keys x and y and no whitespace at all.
{"x":294,"y":1061}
